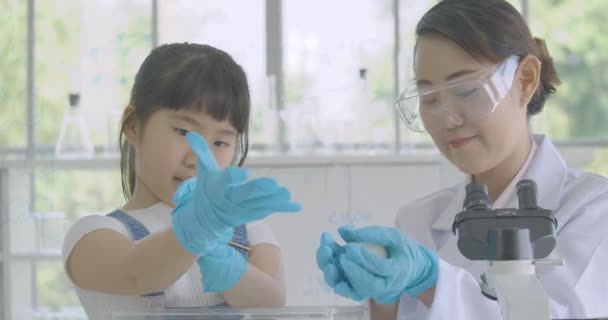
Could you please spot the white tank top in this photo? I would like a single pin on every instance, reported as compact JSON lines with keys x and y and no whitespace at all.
{"x":187,"y":291}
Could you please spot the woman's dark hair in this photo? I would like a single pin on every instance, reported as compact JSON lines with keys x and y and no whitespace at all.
{"x":187,"y":76}
{"x":491,"y":30}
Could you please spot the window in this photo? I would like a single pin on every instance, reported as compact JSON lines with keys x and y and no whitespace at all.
{"x":77,"y":50}
{"x":579,"y":110}
{"x":83,"y":192}
{"x":517,"y":4}
{"x":54,"y":293}
{"x":409,"y":15}
{"x":576,"y":40}
{"x":237,"y":27}
{"x":339,"y":86}
{"x":13,"y":76}
{"x":61,"y":197}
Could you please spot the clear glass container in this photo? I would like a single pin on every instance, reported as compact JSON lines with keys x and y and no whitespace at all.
{"x":301,"y":313}
{"x":74,"y":141}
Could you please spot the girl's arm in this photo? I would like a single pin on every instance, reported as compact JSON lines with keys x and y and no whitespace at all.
{"x":379,"y":311}
{"x":263,"y":285}
{"x":389,"y":311}
{"x":109,"y":262}
{"x":427,"y":297}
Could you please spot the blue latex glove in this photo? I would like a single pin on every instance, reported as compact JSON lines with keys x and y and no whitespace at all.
{"x":222,"y":268}
{"x":328,"y":261}
{"x":327,"y":256}
{"x":210,"y":205}
{"x":362,"y":275}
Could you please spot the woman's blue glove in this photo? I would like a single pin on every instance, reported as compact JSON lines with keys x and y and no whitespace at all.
{"x":360,"y":274}
{"x":328,"y":255}
{"x":222,"y":268}
{"x":210,"y":205}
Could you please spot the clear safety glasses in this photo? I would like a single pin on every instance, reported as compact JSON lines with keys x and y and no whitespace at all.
{"x":456,"y":102}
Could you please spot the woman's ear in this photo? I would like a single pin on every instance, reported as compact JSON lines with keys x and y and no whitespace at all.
{"x":130,"y":125}
{"x":528,"y":78}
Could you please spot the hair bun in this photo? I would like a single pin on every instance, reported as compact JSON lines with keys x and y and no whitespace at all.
{"x":548,"y":72}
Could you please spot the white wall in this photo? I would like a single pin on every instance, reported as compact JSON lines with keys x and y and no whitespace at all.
{"x":334,"y":192}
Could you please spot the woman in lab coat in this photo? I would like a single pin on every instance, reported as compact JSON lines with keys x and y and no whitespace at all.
{"x":479,"y":76}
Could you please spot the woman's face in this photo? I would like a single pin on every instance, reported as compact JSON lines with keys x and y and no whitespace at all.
{"x":475,"y":146}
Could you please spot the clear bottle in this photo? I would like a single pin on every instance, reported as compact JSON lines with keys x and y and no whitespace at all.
{"x":74,"y":141}
{"x":362,"y":111}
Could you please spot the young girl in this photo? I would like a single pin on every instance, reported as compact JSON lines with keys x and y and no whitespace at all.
{"x":205,"y":244}
{"x":479,"y":76}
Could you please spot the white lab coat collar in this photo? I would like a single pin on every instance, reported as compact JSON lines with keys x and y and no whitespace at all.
{"x":547,"y":168}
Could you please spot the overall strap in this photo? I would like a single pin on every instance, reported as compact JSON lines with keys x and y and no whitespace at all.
{"x":240,"y":238}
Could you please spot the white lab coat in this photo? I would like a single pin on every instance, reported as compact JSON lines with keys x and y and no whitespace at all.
{"x":577,"y":290}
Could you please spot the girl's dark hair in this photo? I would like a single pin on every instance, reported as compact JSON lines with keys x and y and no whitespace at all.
{"x":492,"y":30}
{"x":187,"y":76}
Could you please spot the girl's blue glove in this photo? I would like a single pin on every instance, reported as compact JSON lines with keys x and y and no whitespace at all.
{"x":222,"y":268}
{"x":210,"y":205}
{"x":359,"y":274}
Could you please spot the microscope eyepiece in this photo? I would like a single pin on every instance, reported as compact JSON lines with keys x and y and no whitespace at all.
{"x":477,"y":197}
{"x":526,"y":194}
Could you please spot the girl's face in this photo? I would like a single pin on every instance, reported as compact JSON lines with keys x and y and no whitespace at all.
{"x":483,"y":144}
{"x":163,"y":156}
